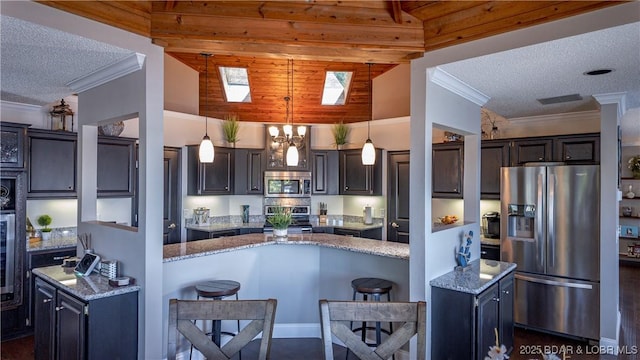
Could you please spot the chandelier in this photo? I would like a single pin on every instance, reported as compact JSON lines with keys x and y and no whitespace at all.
{"x":292,"y":140}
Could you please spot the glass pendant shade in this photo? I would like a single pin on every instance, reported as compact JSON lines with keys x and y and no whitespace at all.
{"x":288,"y":130}
{"x":368,"y":153}
{"x":292,"y":155}
{"x":206,"y":152}
{"x":302,"y":131}
{"x":273,"y":131}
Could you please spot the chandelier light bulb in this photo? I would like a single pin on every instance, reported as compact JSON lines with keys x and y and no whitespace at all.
{"x":302,"y":130}
{"x":292,"y":155}
{"x":206,"y":152}
{"x":288,"y":130}
{"x":273,"y":131}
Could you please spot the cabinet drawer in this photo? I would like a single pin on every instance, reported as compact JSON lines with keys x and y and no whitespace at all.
{"x":49,"y":258}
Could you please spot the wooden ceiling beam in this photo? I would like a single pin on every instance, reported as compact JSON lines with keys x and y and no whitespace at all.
{"x":396,"y":11}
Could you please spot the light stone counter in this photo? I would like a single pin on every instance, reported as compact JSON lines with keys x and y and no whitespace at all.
{"x":226,"y":226}
{"x":482,"y":274}
{"x":54,"y":243}
{"x":86,"y":288}
{"x":191,"y":249}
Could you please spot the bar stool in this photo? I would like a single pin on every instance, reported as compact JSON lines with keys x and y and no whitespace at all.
{"x":374,"y":287}
{"x":217,"y":290}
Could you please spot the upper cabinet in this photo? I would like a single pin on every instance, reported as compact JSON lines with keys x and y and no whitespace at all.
{"x":358,"y":179}
{"x":493,"y":156}
{"x":52,"y":164}
{"x":277,"y":150}
{"x":210,"y":179}
{"x":577,"y":149}
{"x":12,"y":145}
{"x":323,"y":171}
{"x":116,"y":166}
{"x":447,"y":174}
{"x":249,"y":170}
{"x":531,"y":150}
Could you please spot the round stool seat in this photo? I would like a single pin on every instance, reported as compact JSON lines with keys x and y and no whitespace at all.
{"x":371,"y":286}
{"x":217,"y":288}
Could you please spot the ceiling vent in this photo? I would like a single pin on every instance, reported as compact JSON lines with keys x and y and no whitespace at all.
{"x":560,"y":99}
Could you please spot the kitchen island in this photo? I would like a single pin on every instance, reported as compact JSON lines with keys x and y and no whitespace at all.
{"x":297,"y":272}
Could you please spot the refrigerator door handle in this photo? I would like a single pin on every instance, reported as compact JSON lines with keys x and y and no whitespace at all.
{"x":551,"y":237}
{"x":539,"y":220}
{"x":552,"y":282}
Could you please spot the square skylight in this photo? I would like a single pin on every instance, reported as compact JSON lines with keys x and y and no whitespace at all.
{"x":336,"y":87}
{"x":236,"y":84}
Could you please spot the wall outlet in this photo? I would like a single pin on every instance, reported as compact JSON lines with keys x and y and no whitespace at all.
{"x":381,"y":212}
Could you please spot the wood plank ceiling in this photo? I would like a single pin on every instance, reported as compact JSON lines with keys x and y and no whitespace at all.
{"x":319,"y":35}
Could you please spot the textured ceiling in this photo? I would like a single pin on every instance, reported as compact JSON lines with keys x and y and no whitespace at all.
{"x":514,"y":79}
{"x":37,"y":62}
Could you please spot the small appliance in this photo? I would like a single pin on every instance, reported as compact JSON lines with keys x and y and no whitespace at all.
{"x":287,"y":184}
{"x":491,"y":225}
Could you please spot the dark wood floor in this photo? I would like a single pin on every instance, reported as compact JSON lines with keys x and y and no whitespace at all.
{"x":311,"y":349}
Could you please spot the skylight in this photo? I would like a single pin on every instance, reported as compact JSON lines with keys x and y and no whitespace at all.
{"x":336,"y":87}
{"x":236,"y":84}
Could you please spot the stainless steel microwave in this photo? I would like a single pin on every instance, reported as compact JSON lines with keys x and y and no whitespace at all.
{"x":287,"y":184}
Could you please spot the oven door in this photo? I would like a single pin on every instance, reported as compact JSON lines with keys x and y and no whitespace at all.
{"x":7,"y":254}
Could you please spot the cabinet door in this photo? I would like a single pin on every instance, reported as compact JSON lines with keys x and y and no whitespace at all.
{"x":116,"y":167}
{"x":358,"y":179}
{"x":44,"y":323}
{"x":249,"y":171}
{"x":70,"y":326}
{"x":52,"y":165}
{"x":346,"y":232}
{"x":447,"y":170}
{"x":493,"y":155}
{"x":210,"y":179}
{"x":12,"y":145}
{"x":506,"y":311}
{"x":577,"y":149}
{"x":487,"y":320}
{"x":323,"y":172}
{"x":534,"y":150}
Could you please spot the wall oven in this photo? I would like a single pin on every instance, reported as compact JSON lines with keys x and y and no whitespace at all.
{"x":287,"y":184}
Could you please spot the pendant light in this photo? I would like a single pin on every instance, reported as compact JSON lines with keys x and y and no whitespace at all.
{"x":292,"y":150}
{"x":368,"y":150}
{"x":206,"y":151}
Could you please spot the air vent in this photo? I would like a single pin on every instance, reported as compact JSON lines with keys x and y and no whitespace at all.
{"x":560,"y":99}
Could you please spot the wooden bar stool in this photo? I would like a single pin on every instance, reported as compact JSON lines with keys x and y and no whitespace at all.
{"x":375,"y":288}
{"x":217,"y":290}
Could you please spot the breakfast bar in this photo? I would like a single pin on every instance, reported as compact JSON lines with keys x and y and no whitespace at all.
{"x":297,"y":271}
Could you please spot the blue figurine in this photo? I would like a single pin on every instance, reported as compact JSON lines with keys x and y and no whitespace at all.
{"x":464,"y":254}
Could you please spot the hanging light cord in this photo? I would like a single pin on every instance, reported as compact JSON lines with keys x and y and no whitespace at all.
{"x":370,"y":107}
{"x":206,"y":92}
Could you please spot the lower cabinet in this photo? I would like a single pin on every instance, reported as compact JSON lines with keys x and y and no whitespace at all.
{"x":490,"y":252}
{"x":464,"y":324}
{"x":68,"y":328}
{"x":375,"y":234}
{"x":193,"y":235}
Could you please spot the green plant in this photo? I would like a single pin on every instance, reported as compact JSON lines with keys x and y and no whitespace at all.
{"x":634,"y":163}
{"x":44,"y":221}
{"x":281,"y":219}
{"x":340,"y":133}
{"x":230,"y":127}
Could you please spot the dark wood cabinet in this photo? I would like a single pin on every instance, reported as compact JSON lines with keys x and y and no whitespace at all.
{"x":531,"y":150}
{"x":358,"y":179}
{"x":116,"y":166}
{"x":468,"y":331}
{"x":324,"y":173}
{"x":215,"y":178}
{"x":249,"y":171}
{"x":493,"y":156}
{"x":447,"y":174}
{"x":577,"y":149}
{"x":12,"y":145}
{"x":375,"y":234}
{"x":67,"y":327}
{"x":52,"y":164}
{"x":490,"y":252}
{"x":193,"y":235}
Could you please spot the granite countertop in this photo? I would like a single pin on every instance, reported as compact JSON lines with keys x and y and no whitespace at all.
{"x":489,"y":241}
{"x":54,"y":243}
{"x":225,"y":226}
{"x":482,"y":274}
{"x":84,"y":287}
{"x":191,"y":249}
{"x":353,"y":226}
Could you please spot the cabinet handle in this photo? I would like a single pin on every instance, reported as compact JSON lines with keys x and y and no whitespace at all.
{"x":47,"y":300}
{"x":346,"y":188}
{"x":506,"y":292}
{"x":496,"y":299}
{"x":58,"y":308}
{"x":69,"y":187}
{"x":254,"y":188}
{"x":568,"y":157}
{"x":226,"y":188}
{"x":60,"y":257}
{"x":483,"y":253}
{"x":540,"y":158}
{"x":455,"y":190}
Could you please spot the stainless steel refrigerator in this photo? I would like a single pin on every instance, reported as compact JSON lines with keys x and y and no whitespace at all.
{"x":550,"y":227}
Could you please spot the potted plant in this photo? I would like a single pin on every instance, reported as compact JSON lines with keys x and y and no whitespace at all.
{"x":230,"y":127}
{"x":634,"y":166}
{"x":45,"y":221}
{"x":340,"y":133}
{"x":281,"y":219}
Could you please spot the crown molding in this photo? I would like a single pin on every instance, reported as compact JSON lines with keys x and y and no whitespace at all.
{"x":457,"y":86}
{"x":619,"y":98}
{"x":14,"y":106}
{"x":580,"y":115}
{"x":108,"y":73}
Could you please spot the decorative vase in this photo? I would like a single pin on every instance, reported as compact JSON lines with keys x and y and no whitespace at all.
{"x":280,"y":233}
{"x":245,"y":214}
{"x":636,"y":174}
{"x":114,"y":129}
{"x":630,"y":194}
{"x":46,"y":235}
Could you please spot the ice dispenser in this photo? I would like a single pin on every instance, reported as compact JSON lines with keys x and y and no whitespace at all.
{"x":521,"y":221}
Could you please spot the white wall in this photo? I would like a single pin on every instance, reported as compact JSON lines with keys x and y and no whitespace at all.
{"x":180,"y":86}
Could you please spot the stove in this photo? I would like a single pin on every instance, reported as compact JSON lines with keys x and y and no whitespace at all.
{"x":299,"y":214}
